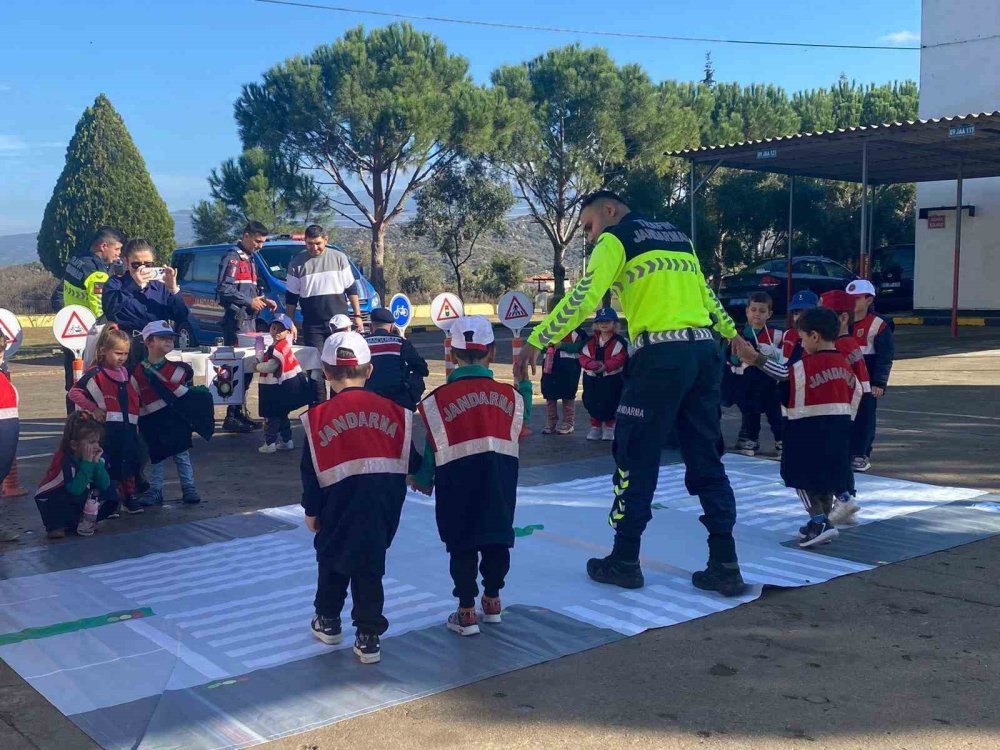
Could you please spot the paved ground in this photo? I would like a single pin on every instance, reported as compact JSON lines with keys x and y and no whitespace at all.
{"x":896,"y":658}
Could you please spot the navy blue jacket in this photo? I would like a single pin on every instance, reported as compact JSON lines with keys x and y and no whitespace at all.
{"x":132,"y":308}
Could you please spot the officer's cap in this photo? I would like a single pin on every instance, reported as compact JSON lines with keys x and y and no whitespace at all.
{"x":382,"y":315}
{"x":471,"y":332}
{"x":346,"y":349}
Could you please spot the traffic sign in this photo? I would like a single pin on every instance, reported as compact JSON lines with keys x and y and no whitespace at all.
{"x":12,"y":330}
{"x":71,"y":326}
{"x":446,"y":309}
{"x":515,"y":310}
{"x":402,"y":310}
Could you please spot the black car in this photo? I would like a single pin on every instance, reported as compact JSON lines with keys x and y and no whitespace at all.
{"x":893,"y":277}
{"x":813,"y":272}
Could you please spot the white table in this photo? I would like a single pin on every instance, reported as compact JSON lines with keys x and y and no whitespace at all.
{"x":308,"y":357}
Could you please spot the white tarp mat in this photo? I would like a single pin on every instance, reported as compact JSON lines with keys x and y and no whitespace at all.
{"x":204,"y":642}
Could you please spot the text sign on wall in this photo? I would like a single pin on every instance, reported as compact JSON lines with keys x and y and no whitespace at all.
{"x":961,"y":131}
{"x":767,"y":153}
{"x":936,"y":221}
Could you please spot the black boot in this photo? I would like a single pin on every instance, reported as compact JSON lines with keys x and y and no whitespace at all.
{"x":233,"y":423}
{"x":621,"y":567}
{"x":244,"y":416}
{"x":722,"y":577}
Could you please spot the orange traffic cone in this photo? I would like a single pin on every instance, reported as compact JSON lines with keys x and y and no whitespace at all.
{"x":12,"y":485}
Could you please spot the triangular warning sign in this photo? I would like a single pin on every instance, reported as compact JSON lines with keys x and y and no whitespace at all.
{"x":75,"y":327}
{"x":515,"y":310}
{"x":447,"y":311}
{"x":6,"y":331}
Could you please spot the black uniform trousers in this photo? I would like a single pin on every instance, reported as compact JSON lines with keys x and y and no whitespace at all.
{"x":863,"y":428}
{"x":494,"y":564}
{"x":315,"y":336}
{"x":68,"y":358}
{"x":672,"y":384}
{"x":230,"y":337}
{"x":366,"y":593}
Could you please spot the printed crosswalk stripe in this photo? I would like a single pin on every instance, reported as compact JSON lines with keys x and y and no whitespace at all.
{"x":233,"y":573}
{"x":236,"y":604}
{"x":650,"y":601}
{"x":604,"y":621}
{"x":234,"y":627}
{"x":215,"y":588}
{"x":267,"y":645}
{"x":822,"y":561}
{"x":704,"y":601}
{"x":165,"y":559}
{"x":646,"y":617}
{"x":770,"y":575}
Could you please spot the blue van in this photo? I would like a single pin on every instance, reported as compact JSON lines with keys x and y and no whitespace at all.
{"x":198,"y":271}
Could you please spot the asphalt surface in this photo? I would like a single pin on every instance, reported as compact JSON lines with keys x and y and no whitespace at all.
{"x":900,"y":657}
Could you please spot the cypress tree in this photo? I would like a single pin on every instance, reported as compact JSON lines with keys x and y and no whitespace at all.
{"x":104,"y":182}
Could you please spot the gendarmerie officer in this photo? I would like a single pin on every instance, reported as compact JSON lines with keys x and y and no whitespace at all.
{"x":673,"y":379}
{"x":399,"y":371}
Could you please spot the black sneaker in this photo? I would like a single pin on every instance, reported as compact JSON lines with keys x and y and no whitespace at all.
{"x":803,"y":531}
{"x":628,"y":575}
{"x":722,"y":577}
{"x":132,"y":506}
{"x":818,"y":533}
{"x":368,"y":648}
{"x":190,"y":496}
{"x":327,"y":629}
{"x":255,"y":424}
{"x":232,"y":424}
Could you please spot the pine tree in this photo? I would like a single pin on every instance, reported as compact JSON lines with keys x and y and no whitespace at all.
{"x":104,"y":182}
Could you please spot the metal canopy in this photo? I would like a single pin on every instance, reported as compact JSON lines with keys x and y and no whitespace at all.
{"x":916,"y":151}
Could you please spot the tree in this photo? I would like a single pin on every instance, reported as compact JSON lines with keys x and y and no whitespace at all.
{"x":213,"y":222}
{"x":503,"y":273}
{"x":104,"y":182}
{"x":414,"y":276}
{"x":461,"y":204}
{"x":378,"y":114}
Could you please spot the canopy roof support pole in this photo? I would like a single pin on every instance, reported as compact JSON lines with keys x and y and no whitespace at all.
{"x":958,"y":252}
{"x":791,"y":209}
{"x":862,"y":270}
{"x":692,"y":189}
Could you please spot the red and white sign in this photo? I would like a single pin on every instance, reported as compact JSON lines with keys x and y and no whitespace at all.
{"x":71,"y":326}
{"x":515,"y":310}
{"x":446,"y":308}
{"x":936,"y":221}
{"x":12,"y":330}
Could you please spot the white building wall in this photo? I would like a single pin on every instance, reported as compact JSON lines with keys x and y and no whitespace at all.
{"x":959,"y":74}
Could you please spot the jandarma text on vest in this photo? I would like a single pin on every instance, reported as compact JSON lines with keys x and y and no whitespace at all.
{"x":829,"y":375}
{"x":351,"y":420}
{"x":473,"y":399}
{"x":631,"y":411}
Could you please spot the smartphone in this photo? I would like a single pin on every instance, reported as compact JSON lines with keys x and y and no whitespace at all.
{"x":156,"y":274}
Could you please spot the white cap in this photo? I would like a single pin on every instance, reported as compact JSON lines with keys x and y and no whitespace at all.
{"x":157,"y":328}
{"x":861,"y":286}
{"x":340,"y":322}
{"x":346,"y":341}
{"x":471,"y":332}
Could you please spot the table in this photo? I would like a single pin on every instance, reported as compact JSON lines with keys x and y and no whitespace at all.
{"x":308,"y":357}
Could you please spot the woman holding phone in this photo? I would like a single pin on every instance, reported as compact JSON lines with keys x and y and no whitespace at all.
{"x":146,"y":293}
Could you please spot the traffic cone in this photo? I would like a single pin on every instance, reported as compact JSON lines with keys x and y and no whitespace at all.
{"x":12,"y":485}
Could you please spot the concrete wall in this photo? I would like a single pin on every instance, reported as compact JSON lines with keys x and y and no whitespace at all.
{"x":956,"y":79}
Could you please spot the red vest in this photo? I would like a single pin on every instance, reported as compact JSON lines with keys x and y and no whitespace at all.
{"x":865,"y":331}
{"x":473,"y":415}
{"x":119,"y":400}
{"x":613,"y":354}
{"x":289,"y":364}
{"x":822,"y":385}
{"x":357,"y":432}
{"x":172,"y":376}
{"x":8,"y":397}
{"x":788,"y":341}
{"x":848,"y":346}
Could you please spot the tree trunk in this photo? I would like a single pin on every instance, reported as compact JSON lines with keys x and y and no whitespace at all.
{"x":558,"y":271}
{"x":377,"y":272}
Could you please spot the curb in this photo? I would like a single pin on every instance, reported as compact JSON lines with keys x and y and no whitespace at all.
{"x":920,"y":320}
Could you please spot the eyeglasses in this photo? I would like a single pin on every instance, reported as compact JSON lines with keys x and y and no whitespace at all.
{"x":137,"y":264}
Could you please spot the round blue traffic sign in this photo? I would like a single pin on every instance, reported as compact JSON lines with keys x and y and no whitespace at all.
{"x":401,"y":309}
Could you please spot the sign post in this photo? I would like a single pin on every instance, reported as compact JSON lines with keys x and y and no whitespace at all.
{"x":446,"y":308}
{"x":12,"y":331}
{"x":514,"y":311}
{"x":71,"y":326}
{"x":402,"y":311}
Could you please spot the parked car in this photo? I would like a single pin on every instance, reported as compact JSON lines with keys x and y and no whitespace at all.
{"x":813,"y":272}
{"x":893,"y":277}
{"x":198,"y":272}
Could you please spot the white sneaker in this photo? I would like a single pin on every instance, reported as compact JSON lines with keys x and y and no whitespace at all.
{"x":594,"y":434}
{"x":844,"y":510}
{"x":286,"y":446}
{"x":607,"y":433}
{"x":268,"y":448}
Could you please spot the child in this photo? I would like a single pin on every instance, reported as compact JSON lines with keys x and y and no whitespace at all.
{"x":353,"y":486}
{"x":756,"y":393}
{"x":282,"y":387}
{"x":875,"y":336}
{"x":106,"y":390}
{"x":560,"y":379}
{"x":76,"y":492}
{"x":823,"y":397}
{"x":340,"y":323}
{"x":473,"y":423}
{"x":791,"y":346}
{"x":603,"y":359}
{"x":9,"y":431}
{"x":168,"y":407}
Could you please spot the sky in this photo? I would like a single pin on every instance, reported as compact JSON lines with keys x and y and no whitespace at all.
{"x":173,"y":68}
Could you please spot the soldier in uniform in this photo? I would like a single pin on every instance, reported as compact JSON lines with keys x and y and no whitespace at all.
{"x":399,"y":371}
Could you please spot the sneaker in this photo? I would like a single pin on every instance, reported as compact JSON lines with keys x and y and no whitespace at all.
{"x":803,"y":531}
{"x":617,"y":572}
{"x":608,"y":433}
{"x":843,"y":510}
{"x":327,"y":630}
{"x":819,"y":533}
{"x":116,"y":513}
{"x":565,"y":429}
{"x":491,"y":608}
{"x":861,"y":463}
{"x":232,"y":424}
{"x":287,"y":445}
{"x":746,"y":447}
{"x":464,"y":622}
{"x":190,"y":496}
{"x":9,"y":534}
{"x":56,"y":534}
{"x":131,"y":505}
{"x":594,"y":433}
{"x":86,"y":527}
{"x":368,"y":648}
{"x":268,"y":448}
{"x":722,"y":577}
{"x":548,"y":429}
{"x":778,"y":447}
{"x":151,"y":497}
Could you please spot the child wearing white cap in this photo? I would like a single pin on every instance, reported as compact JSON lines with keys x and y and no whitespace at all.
{"x":471,"y":459}
{"x":282,"y":387}
{"x":353,"y":486}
